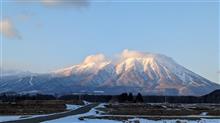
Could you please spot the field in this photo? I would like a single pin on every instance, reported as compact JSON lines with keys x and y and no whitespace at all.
{"x":125,"y":111}
{"x":35,"y":107}
{"x":162,"y":109}
{"x":113,"y":113}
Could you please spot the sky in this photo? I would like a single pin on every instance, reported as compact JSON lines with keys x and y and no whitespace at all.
{"x":45,"y":35}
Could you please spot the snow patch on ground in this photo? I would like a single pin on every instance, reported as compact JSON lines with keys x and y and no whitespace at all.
{"x":174,"y":121}
{"x":135,"y":120}
{"x":204,"y":113}
{"x":72,"y":107}
{"x":86,"y":102}
{"x":75,"y":118}
{"x":8,"y":118}
{"x":16,"y":117}
{"x":72,"y":119}
{"x":94,"y":111}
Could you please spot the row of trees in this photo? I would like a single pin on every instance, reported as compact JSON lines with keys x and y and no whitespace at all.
{"x":13,"y":98}
{"x":213,"y":97}
{"x":124,"y":97}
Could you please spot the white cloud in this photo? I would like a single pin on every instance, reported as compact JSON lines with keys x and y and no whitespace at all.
{"x":8,"y":29}
{"x":58,"y":3}
{"x":98,"y":58}
{"x":74,"y":3}
{"x":51,"y":2}
{"x":129,"y":53}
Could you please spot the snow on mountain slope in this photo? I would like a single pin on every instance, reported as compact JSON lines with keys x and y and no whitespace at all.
{"x":150,"y":73}
{"x":134,"y":71}
{"x":90,"y":65}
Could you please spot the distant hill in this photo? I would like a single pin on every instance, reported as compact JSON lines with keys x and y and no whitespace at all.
{"x":214,"y":93}
{"x":213,"y":97}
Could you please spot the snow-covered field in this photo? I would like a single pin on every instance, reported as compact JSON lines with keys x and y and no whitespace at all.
{"x":75,"y":119}
{"x":135,"y":120}
{"x":177,"y":121}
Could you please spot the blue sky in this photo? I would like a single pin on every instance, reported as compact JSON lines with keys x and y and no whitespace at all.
{"x":52,"y":37}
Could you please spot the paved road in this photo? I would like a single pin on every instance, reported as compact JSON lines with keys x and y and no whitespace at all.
{"x":81,"y":110}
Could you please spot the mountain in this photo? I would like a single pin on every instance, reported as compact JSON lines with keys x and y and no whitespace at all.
{"x":132,"y":71}
{"x":5,"y":72}
{"x":213,"y":97}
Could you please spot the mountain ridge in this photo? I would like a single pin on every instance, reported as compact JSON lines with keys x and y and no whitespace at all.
{"x":133,"y":71}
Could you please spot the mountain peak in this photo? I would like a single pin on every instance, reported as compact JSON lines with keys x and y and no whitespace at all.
{"x":127,"y":60}
{"x":91,"y":64}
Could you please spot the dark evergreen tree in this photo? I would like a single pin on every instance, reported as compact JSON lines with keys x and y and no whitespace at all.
{"x":130,"y":97}
{"x":123,"y":97}
{"x":139,"y":98}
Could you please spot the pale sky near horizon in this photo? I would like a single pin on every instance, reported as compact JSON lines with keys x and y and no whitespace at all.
{"x":43,"y":37}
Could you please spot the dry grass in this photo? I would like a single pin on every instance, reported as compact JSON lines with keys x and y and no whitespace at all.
{"x":161,"y":109}
{"x":30,"y":107}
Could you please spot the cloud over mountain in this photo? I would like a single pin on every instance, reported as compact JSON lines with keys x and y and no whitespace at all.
{"x":129,"y":53}
{"x":95,"y":59}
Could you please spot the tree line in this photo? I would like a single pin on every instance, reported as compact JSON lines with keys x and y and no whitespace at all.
{"x":213,"y":97}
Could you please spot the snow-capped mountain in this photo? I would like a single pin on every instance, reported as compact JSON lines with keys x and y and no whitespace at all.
{"x":4,"y":72}
{"x":132,"y":71}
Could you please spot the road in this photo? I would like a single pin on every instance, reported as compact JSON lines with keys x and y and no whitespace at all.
{"x":80,"y":110}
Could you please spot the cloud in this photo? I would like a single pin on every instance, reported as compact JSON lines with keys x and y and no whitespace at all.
{"x":58,"y":3}
{"x":129,"y":53}
{"x":8,"y":29}
{"x":98,"y":58}
{"x":66,"y":3}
